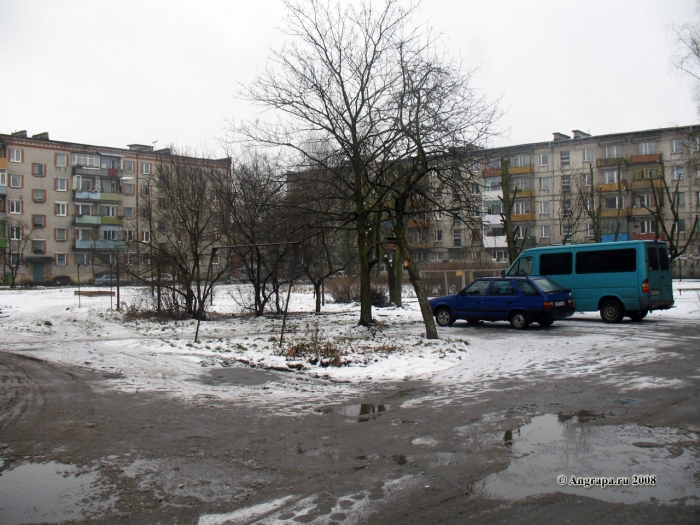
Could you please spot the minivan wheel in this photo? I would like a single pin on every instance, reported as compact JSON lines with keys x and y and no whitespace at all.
{"x":611,"y":312}
{"x":637,"y":316}
{"x":444,"y":317}
{"x":519,"y":320}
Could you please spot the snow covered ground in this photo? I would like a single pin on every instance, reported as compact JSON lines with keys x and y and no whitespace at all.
{"x":466,"y":361}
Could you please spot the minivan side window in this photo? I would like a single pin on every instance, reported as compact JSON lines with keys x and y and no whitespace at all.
{"x":556,"y":263}
{"x":522,"y":266}
{"x":606,"y":261}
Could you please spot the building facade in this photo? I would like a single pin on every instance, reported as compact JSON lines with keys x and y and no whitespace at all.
{"x":70,"y":209}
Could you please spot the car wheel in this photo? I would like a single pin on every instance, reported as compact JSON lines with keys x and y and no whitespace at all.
{"x":638,"y":316}
{"x":611,"y":311}
{"x":473,"y":321}
{"x":444,"y":317}
{"x":545,"y":324}
{"x":519,"y":320}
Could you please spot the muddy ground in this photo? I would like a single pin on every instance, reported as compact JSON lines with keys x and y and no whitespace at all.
{"x":399,"y":453}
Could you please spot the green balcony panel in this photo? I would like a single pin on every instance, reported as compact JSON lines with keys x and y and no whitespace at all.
{"x":89,"y":219}
{"x":116,"y":221}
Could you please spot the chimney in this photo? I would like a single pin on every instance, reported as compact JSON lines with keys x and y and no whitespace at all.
{"x":41,"y":136}
{"x":578,"y":134}
{"x":19,"y":134}
{"x":560,"y":136}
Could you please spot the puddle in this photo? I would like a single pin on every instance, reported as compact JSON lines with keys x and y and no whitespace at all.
{"x":240,"y":376}
{"x":48,"y":493}
{"x":363,"y":411}
{"x":562,"y":446}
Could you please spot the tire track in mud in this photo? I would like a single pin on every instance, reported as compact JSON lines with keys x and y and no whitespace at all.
{"x":18,"y":390}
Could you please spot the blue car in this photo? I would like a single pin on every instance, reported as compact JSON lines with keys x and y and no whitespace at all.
{"x":520,"y":300}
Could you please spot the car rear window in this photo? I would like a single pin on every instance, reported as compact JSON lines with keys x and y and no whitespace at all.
{"x":527,"y":288}
{"x":548,"y":285}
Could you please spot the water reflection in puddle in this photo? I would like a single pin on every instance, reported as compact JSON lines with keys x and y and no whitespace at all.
{"x":552,"y":446}
{"x":47,"y":493}
{"x":363,"y":411}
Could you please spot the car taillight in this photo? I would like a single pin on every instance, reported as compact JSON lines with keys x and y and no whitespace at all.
{"x":571,"y":303}
{"x":645,"y":286}
{"x":548,"y":305}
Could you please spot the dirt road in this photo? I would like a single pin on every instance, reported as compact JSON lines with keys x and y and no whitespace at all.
{"x":399,"y":453}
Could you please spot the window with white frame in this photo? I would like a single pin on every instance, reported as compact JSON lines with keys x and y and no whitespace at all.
{"x":614,"y":203}
{"x":588,"y":155}
{"x":145,"y":190}
{"x":3,"y":177}
{"x":589,"y":204}
{"x":15,"y":206}
{"x":646,"y":227}
{"x":544,"y":206}
{"x":108,"y":210}
{"x":544,"y":184}
{"x":610,"y":177}
{"x":492,"y":184}
{"x":86,"y":161}
{"x":61,"y":160}
{"x":439,"y":256}
{"x":128,"y":189}
{"x":457,"y":238}
{"x":498,"y":255}
{"x":566,"y":184}
{"x":16,"y":155}
{"x":679,"y":200}
{"x":589,"y":229}
{"x":15,"y":233}
{"x":438,"y":215}
{"x":82,"y":259}
{"x":16,"y":180}
{"x":565,"y":159}
{"x":587,"y":180}
{"x":128,"y":212}
{"x":38,"y":170}
{"x":146,"y":168}
{"x":567,"y":231}
{"x":543,"y":159}
{"x":522,"y":207}
{"x":681,"y":226}
{"x":644,"y":200}
{"x":61,"y":259}
{"x":61,"y":184}
{"x":111,"y":235}
{"x":523,"y":232}
{"x":677,"y":172}
{"x":494,"y":208}
{"x":677,"y":146}
{"x":612,"y":152}
{"x":545,"y":231}
{"x":61,"y":209}
{"x":519,"y":161}
{"x":146,"y":236}
{"x":83,"y":234}
{"x":83,"y":209}
{"x":61,"y":234}
{"x":646,"y":148}
{"x":128,"y":166}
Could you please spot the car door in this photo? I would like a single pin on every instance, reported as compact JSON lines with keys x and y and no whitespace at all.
{"x":470,"y":302}
{"x":501,"y":298}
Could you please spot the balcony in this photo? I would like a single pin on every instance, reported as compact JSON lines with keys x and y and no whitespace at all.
{"x":615,"y":186}
{"x":645,"y":184}
{"x":614,"y":161}
{"x":113,"y":197}
{"x":102,"y":172}
{"x":3,"y":190}
{"x":646,"y":159}
{"x":648,"y":236}
{"x":86,"y":195}
{"x":492,"y":172}
{"x":522,"y":217}
{"x":525,"y":193}
{"x":613,"y":212}
{"x":640,"y":210}
{"x":519,"y":171}
{"x":100,"y":244}
{"x":113,"y":221}
{"x":3,"y":163}
{"x":3,"y":244}
{"x":93,"y":220}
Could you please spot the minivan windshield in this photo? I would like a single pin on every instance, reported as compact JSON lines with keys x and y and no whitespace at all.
{"x":548,"y":285}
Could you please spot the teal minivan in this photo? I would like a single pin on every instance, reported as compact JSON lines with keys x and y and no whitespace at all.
{"x":627,"y":278}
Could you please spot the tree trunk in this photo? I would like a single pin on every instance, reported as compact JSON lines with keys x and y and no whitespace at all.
{"x":398,"y":275}
{"x":365,"y":280}
{"x":317,"y":292}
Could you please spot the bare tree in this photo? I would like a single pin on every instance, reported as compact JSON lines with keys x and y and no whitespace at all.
{"x":687,"y":55}
{"x":19,"y":244}
{"x":590,"y":202}
{"x":508,"y":202}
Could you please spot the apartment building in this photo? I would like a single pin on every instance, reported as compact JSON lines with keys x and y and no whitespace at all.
{"x":579,"y":188}
{"x":69,"y":209}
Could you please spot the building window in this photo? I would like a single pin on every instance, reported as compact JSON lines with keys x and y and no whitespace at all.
{"x":3,"y":177}
{"x":83,"y":235}
{"x":519,"y":161}
{"x":677,"y":146}
{"x":613,"y":152}
{"x":145,"y":236}
{"x":16,"y":181}
{"x":108,"y":211}
{"x":128,"y":189}
{"x":39,"y":195}
{"x":646,"y":227}
{"x":15,"y":206}
{"x":679,"y":200}
{"x":39,"y":247}
{"x":38,"y":221}
{"x":492,"y":184}
{"x":83,"y":209}
{"x":544,"y":184}
{"x":128,"y":166}
{"x":614,"y":203}
{"x":681,"y":226}
{"x":566,"y":184}
{"x":544,"y":207}
{"x":146,"y":168}
{"x":61,"y":259}
{"x":110,"y":235}
{"x":646,"y":148}
{"x":544,"y":159}
{"x":39,"y":170}
{"x":587,"y":180}
{"x":61,"y":234}
{"x":588,"y":155}
{"x":457,"y":238}
{"x":61,"y":209}
{"x":438,"y":235}
{"x":61,"y":160}
{"x":438,"y":215}
{"x":128,"y":213}
{"x":589,"y":229}
{"x":128,"y":235}
{"x":16,"y":155}
{"x":494,"y":208}
{"x":15,"y":233}
{"x":61,"y":184}
{"x":498,"y":255}
{"x":145,"y":213}
{"x":163,"y":203}
{"x":545,"y":231}
{"x":565,"y":159}
{"x":146,"y":260}
{"x":523,"y":184}
{"x":15,"y":259}
{"x":610,"y":177}
{"x":86,"y":161}
{"x":82,"y":259}
{"x":645,"y":200}
{"x":677,"y":172}
{"x":145,"y":190}
{"x":522,"y":207}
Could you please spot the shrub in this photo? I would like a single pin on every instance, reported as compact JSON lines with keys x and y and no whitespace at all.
{"x":346,"y":290}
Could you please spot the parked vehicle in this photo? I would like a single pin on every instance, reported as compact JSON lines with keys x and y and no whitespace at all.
{"x":109,"y":280}
{"x":628,"y":278}
{"x":520,"y":300}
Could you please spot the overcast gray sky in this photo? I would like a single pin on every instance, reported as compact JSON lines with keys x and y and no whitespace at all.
{"x":119,"y":72}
